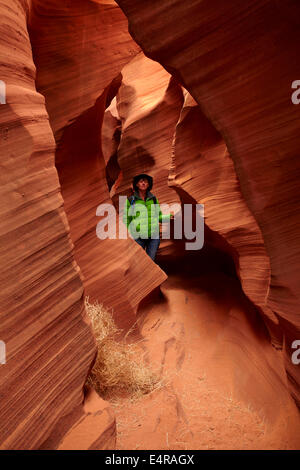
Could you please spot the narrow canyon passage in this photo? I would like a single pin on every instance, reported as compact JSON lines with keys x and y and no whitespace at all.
{"x":199,"y":96}
{"x":223,"y":386}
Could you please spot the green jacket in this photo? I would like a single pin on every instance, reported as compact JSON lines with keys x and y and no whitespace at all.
{"x":141,"y":220}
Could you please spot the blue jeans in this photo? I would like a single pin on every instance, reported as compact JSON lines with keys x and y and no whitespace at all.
{"x":151,"y":245}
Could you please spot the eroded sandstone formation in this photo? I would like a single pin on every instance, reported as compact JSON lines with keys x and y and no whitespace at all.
{"x":148,"y":103}
{"x":214,"y":124}
{"x":238,"y":61}
{"x":143,"y":129}
{"x":49,"y":343}
{"x":202,"y":168}
{"x":156,"y":125}
{"x":225,"y":384}
{"x":50,"y":347}
{"x":78,"y":81}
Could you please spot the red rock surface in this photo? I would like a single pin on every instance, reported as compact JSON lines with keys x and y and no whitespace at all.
{"x":154,"y":127}
{"x":78,"y":80}
{"x":67,"y":146}
{"x":203,"y":169}
{"x":95,"y":430}
{"x":110,"y":139}
{"x":244,"y":402}
{"x":49,"y":343}
{"x":148,"y":102}
{"x":238,"y":61}
{"x":225,"y":386}
{"x":50,"y":347}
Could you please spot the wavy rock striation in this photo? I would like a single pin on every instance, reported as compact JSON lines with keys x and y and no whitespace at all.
{"x":238,"y":61}
{"x":49,"y":344}
{"x":78,"y":81}
{"x":63,"y":134}
{"x":148,"y":103}
{"x":203,"y":169}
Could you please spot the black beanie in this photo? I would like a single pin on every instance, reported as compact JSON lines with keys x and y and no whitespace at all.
{"x":138,"y":177}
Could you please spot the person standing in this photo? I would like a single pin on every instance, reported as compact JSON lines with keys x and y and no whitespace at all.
{"x":144,"y":224}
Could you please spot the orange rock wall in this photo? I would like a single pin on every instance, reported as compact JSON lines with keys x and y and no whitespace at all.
{"x":78,"y":81}
{"x":238,"y":61}
{"x":49,"y":343}
{"x":203,"y":169}
{"x":163,"y":131}
{"x":148,"y":102}
{"x":233,"y":147}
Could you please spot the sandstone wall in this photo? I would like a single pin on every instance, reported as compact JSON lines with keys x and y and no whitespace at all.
{"x":49,"y":343}
{"x":238,"y":60}
{"x":79,"y":66}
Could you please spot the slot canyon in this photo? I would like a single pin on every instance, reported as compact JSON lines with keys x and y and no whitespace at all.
{"x":198,"y":95}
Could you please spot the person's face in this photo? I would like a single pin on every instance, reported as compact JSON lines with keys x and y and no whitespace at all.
{"x":143,"y":184}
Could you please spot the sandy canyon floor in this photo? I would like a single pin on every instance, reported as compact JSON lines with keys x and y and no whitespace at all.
{"x":223,"y":385}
